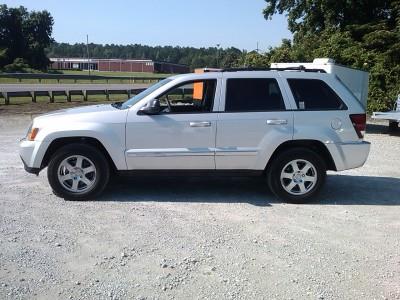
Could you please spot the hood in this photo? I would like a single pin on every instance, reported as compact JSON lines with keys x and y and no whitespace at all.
{"x":79,"y":110}
{"x":92,"y":113}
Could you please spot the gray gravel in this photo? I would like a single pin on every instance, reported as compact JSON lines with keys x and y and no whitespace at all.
{"x":189,"y":238}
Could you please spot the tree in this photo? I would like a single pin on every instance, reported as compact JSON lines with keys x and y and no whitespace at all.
{"x":25,"y":35}
{"x":313,"y":16}
{"x":364,"y":34}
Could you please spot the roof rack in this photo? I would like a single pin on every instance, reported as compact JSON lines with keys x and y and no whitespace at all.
{"x":300,"y":68}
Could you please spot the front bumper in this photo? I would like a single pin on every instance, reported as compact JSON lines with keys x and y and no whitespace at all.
{"x":349,"y":155}
{"x":32,"y":153}
{"x":29,"y":169}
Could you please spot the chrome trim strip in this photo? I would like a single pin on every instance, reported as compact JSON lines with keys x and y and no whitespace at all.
{"x":234,"y":151}
{"x":347,"y":143}
{"x":168,"y":152}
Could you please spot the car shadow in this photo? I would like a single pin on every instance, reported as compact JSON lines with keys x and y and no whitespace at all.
{"x":339,"y":189}
{"x":382,"y":129}
{"x":252,"y":190}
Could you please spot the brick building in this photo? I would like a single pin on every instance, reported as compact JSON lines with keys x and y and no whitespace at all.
{"x":118,"y":65}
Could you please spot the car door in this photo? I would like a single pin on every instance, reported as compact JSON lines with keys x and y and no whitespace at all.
{"x":254,"y":119}
{"x":182,"y":136}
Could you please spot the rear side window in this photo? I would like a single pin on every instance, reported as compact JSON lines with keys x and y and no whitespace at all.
{"x":253,"y":94}
{"x":314,"y":94}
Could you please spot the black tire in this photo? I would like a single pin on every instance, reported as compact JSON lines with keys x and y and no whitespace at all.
{"x":93,"y":155}
{"x":393,"y":125}
{"x":281,"y":162}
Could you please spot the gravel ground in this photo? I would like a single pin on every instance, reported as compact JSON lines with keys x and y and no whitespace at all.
{"x":210,"y":238}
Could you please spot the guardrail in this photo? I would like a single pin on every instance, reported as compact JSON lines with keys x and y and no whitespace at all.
{"x":68,"y":94}
{"x":76,"y":77}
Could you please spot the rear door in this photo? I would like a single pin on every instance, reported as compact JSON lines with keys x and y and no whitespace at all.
{"x":254,"y":119}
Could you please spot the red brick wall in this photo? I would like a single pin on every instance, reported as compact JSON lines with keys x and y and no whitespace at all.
{"x":103,"y":65}
{"x":117,"y":66}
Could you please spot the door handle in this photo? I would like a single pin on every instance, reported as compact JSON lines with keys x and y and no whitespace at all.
{"x":200,"y":124}
{"x":276,"y":122}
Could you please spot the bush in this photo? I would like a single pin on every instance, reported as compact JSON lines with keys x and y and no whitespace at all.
{"x":18,"y":65}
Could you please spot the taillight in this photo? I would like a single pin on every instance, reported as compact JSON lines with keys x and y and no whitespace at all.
{"x":360,"y":123}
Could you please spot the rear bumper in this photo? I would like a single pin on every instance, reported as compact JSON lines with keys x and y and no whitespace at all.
{"x":349,"y":155}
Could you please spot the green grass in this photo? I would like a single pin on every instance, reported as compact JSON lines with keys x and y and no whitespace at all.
{"x":53,"y":81}
{"x":63,"y":99}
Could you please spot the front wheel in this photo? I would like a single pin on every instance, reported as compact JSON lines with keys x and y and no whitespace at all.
{"x":296,"y":175}
{"x":78,"y":172}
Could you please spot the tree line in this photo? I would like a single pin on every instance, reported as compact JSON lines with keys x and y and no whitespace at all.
{"x":193,"y":57}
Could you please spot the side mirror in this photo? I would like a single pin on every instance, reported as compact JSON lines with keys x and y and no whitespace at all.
{"x":152,"y":108}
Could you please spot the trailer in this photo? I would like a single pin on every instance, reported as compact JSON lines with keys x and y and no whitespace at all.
{"x":392,"y":116}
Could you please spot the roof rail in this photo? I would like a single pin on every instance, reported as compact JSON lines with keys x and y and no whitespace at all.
{"x":299,"y":68}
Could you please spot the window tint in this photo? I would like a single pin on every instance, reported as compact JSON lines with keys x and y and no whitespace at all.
{"x":253,"y":94}
{"x":314,"y":94}
{"x":190,"y":97}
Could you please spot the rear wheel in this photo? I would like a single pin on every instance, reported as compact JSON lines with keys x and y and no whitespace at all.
{"x":78,"y":172}
{"x":296,"y":175}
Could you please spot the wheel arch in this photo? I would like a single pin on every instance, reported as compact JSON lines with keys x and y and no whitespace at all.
{"x":58,"y":143}
{"x":314,"y":145}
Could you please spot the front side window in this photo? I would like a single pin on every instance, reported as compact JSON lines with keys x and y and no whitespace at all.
{"x":314,"y":94}
{"x":145,"y":93}
{"x":190,"y":97}
{"x":253,"y":94}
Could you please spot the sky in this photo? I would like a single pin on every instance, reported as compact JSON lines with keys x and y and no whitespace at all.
{"x":205,"y":23}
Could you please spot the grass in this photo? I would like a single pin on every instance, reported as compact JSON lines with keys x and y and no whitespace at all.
{"x":24,"y":105}
{"x":63,"y":99}
{"x":69,"y":72}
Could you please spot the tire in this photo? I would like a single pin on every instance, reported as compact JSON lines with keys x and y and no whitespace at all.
{"x":78,"y":172}
{"x":393,"y":125}
{"x":298,"y":186}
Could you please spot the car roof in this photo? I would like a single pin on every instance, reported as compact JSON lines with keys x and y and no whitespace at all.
{"x":254,"y":73}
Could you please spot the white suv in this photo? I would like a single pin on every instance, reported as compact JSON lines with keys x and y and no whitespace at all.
{"x":290,"y":126}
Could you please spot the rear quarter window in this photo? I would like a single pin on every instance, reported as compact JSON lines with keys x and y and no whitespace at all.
{"x":253,"y":94}
{"x":315,"y":94}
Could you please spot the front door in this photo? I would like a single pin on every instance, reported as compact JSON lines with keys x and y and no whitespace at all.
{"x":182,"y":136}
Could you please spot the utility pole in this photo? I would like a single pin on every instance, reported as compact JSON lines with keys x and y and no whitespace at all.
{"x":87,"y":49}
{"x":218,"y":45}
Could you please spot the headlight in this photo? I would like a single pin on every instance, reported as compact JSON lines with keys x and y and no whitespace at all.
{"x":32,"y":133}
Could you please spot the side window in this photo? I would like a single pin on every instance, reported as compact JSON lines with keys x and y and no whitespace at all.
{"x":314,"y":94}
{"x":189,"y":97}
{"x":253,"y":94}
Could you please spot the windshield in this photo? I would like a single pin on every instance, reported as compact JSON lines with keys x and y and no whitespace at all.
{"x":129,"y":103}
